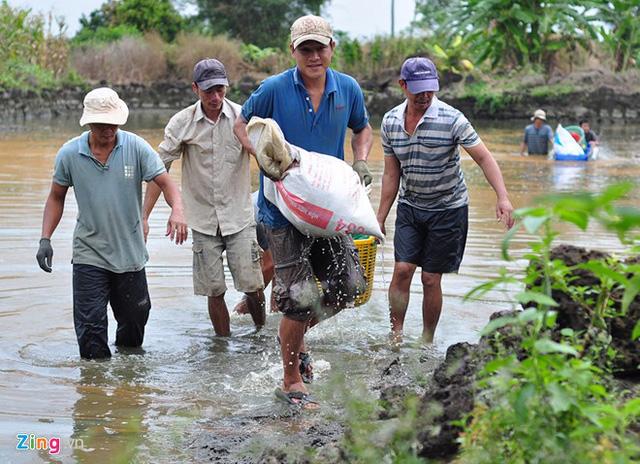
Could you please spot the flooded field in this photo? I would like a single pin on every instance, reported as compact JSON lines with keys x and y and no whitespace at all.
{"x":157,"y":405}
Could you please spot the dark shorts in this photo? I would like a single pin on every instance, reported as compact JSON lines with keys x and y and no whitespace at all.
{"x":301,"y":262}
{"x":93,"y":288}
{"x":433,"y":240}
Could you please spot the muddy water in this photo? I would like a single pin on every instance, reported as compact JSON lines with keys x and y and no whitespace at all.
{"x":157,"y":404}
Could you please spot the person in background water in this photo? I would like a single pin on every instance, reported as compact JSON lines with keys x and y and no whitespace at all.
{"x":313,"y":105}
{"x":216,"y":181}
{"x":538,"y":137}
{"x":106,"y":167}
{"x":420,"y":138}
{"x":589,"y":136}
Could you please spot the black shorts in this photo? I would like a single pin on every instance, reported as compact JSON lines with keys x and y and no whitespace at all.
{"x":302,"y":262}
{"x":433,"y":240}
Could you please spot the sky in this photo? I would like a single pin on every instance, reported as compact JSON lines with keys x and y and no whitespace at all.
{"x":360,"y":18}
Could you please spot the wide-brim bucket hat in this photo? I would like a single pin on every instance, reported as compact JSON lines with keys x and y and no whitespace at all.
{"x":103,"y":106}
{"x":539,"y":114}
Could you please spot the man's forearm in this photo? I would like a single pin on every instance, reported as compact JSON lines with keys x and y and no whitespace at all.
{"x":172,"y":196}
{"x":361,"y":143}
{"x":493,"y":175}
{"x":53,"y":210}
{"x":390,"y":185}
{"x":240,"y":131}
{"x":150,"y":198}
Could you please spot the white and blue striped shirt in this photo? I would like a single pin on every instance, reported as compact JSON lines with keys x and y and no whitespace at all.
{"x":432,"y":177}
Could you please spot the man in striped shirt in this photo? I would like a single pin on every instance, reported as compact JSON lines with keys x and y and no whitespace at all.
{"x":420,"y":138}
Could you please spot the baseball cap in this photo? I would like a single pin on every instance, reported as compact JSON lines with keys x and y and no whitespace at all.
{"x":208,"y":73}
{"x":539,"y":114}
{"x":420,"y":75}
{"x":103,"y":106}
{"x":311,"y":27}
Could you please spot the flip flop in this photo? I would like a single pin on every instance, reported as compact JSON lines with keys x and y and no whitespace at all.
{"x":299,"y":399}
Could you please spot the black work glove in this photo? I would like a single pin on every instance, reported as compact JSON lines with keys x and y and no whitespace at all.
{"x":362,"y":169}
{"x":45,"y":255}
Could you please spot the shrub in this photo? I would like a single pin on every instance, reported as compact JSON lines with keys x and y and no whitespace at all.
{"x":266,"y":60}
{"x":190,"y":48}
{"x":104,"y":34}
{"x":32,"y":55}
{"x":129,"y":60}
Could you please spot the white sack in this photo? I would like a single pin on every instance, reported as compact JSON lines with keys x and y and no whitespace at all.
{"x":565,"y":144}
{"x":320,"y":195}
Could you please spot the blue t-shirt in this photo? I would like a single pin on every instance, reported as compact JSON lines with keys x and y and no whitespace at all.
{"x":538,"y":140}
{"x":284,"y":98}
{"x":108,"y":231}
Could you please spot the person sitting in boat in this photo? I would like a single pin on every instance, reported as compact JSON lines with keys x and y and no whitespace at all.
{"x":589,"y":136}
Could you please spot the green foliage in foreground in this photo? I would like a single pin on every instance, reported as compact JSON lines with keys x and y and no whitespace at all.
{"x":549,"y":402}
{"x":552,"y":406}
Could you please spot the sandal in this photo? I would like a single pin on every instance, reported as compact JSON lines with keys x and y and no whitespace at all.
{"x":306,"y":368}
{"x":297,"y":398}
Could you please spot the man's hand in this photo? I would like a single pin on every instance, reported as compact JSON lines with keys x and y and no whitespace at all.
{"x":177,"y":227}
{"x":504,"y":211}
{"x":360,"y":166}
{"x":45,"y":255}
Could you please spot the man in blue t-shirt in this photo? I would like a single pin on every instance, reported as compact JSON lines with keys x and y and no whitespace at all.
{"x":538,"y":137}
{"x":106,"y":167}
{"x":313,"y":105}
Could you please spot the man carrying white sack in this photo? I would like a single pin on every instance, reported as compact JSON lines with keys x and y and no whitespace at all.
{"x":313,"y":105}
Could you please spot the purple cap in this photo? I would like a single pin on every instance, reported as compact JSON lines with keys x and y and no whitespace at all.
{"x":209,"y":73}
{"x":420,"y":75}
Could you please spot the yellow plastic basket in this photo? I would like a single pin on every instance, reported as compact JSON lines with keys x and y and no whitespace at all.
{"x":367,"y":252}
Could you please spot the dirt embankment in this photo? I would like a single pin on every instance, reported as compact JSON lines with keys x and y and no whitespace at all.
{"x":603,"y":97}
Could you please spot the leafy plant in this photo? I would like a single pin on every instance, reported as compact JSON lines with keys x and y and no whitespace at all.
{"x":548,"y":402}
{"x":131,"y":17}
{"x":547,"y":405}
{"x":622,"y":36}
{"x":516,"y":33}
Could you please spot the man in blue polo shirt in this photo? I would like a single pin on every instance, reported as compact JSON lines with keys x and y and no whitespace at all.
{"x":313,"y":105}
{"x":106,"y":167}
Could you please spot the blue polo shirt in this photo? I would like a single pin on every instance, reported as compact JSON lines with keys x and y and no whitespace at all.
{"x":284,"y":98}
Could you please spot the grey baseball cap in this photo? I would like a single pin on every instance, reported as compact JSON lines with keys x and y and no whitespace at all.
{"x":208,"y":73}
{"x":420,"y":74}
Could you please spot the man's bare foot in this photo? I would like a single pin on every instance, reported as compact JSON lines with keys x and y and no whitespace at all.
{"x":427,"y":337}
{"x":395,"y":340}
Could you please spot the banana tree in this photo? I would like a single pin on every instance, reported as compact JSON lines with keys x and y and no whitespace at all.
{"x":521,"y":32}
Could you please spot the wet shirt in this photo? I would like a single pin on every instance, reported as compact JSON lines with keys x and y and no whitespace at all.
{"x":285,"y":99}
{"x":431,"y":175}
{"x":216,"y":178}
{"x":108,"y":232}
{"x":537,"y":140}
{"x":590,"y":136}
